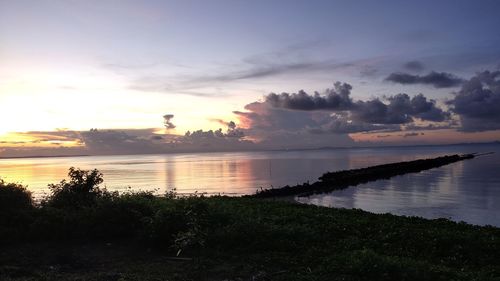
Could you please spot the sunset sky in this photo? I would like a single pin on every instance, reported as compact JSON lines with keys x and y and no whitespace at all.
{"x":118,"y":77}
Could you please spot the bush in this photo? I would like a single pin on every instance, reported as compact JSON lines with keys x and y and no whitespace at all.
{"x":82,"y":190}
{"x":16,"y":211}
{"x":14,"y":197}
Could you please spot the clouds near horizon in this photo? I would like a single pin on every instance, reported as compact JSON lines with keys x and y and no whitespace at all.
{"x":330,"y":118}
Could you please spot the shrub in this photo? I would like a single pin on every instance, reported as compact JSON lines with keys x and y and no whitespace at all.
{"x":14,"y":197}
{"x":16,"y":211}
{"x":82,"y":190}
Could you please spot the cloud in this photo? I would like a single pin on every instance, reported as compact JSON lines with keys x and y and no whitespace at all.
{"x":334,"y":99}
{"x":10,"y":152}
{"x":478,"y":102}
{"x":231,"y":139}
{"x":414,"y":66}
{"x":450,"y":124}
{"x":270,"y":69}
{"x":435,"y":79}
{"x":426,"y":109}
{"x":343,"y":124}
{"x":99,"y":142}
{"x":263,"y":117}
{"x":383,"y":136}
{"x":167,"y":121}
{"x":334,"y":112}
{"x":166,"y":84}
{"x":232,"y":129}
{"x":277,"y":128}
{"x":412,"y":134}
{"x":289,"y":61}
{"x":401,"y":108}
{"x":41,"y":138}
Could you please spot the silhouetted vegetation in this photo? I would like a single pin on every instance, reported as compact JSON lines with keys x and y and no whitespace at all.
{"x":14,"y":197}
{"x":140,"y":236}
{"x":343,"y":179}
{"x":82,"y":190}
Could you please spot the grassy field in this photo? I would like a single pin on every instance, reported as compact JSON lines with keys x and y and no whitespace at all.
{"x":82,"y":232}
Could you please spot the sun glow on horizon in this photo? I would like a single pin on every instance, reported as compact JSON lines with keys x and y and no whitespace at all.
{"x":37,"y":139}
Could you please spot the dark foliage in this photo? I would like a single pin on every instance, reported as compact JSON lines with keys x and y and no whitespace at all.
{"x":242,"y":238}
{"x":16,"y":211}
{"x":82,"y":190}
{"x":14,"y":197}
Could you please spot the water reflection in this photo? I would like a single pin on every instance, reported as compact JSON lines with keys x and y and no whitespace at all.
{"x":463,"y":191}
{"x":467,"y":190}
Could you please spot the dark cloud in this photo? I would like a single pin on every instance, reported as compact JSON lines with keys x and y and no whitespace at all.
{"x":264,"y":120}
{"x":232,"y":128}
{"x":376,"y":112}
{"x":401,"y":108}
{"x":426,"y":109}
{"x":435,"y":79}
{"x":383,"y":136}
{"x":167,"y":120}
{"x":478,"y":102}
{"x":412,"y":134}
{"x":334,"y":99}
{"x":414,"y":66}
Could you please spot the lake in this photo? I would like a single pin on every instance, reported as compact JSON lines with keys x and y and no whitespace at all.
{"x":467,"y":190}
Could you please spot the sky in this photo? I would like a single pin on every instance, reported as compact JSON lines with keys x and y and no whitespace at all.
{"x":119,"y":77}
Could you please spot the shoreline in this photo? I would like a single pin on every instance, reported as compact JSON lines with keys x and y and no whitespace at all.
{"x":82,"y":232}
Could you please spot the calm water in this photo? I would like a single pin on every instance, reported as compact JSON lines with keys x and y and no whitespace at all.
{"x":463,"y":191}
{"x":467,"y":190}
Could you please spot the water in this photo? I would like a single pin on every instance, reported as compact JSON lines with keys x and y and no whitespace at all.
{"x":463,"y":191}
{"x":466,"y":190}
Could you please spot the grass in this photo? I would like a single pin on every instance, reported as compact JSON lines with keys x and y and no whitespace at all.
{"x":138,"y":236}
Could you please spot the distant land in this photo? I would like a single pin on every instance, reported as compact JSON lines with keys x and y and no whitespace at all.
{"x":294,"y":149}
